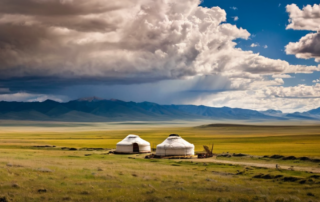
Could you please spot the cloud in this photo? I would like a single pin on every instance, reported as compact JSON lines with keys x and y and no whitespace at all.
{"x":4,"y":90}
{"x":288,"y":99}
{"x":123,"y":42}
{"x":316,"y":81}
{"x":307,"y":18}
{"x":234,"y":8}
{"x":286,"y":76}
{"x":307,"y":47}
{"x":81,"y":40}
{"x":23,"y":96}
{"x":236,"y":18}
{"x":265,"y":46}
{"x":254,"y":45}
{"x":130,"y":49}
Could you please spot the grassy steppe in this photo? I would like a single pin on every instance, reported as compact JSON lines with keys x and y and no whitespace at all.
{"x":254,"y":140}
{"x":51,"y":174}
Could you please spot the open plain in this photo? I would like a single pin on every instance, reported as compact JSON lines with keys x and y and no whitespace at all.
{"x":79,"y":168}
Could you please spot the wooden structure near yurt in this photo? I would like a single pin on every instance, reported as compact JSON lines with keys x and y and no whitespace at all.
{"x":132,"y":144}
{"x":174,"y":147}
{"x":207,"y":154}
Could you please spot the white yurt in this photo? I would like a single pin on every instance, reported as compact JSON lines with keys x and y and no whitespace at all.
{"x":133,"y":144}
{"x":174,"y":145}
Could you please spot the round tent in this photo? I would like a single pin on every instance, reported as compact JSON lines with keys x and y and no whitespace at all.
{"x":174,"y":145}
{"x":133,"y":144}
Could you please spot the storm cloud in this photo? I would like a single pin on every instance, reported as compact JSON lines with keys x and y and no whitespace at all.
{"x":123,"y":42}
{"x":156,"y":50}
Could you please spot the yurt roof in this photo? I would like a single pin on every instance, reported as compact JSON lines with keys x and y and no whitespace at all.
{"x":175,"y":142}
{"x":131,"y":139}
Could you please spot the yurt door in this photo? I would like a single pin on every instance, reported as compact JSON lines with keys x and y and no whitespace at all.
{"x":135,"y":147}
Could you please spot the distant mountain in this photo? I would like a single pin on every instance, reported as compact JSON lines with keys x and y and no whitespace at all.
{"x":96,"y":109}
{"x":272,"y":112}
{"x":315,"y":111}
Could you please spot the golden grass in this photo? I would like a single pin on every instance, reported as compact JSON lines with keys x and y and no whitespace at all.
{"x":297,"y":141}
{"x":72,"y":176}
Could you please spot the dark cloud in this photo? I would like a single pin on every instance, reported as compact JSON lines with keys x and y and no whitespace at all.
{"x":49,"y":45}
{"x":307,"y":47}
{"x":59,"y":7}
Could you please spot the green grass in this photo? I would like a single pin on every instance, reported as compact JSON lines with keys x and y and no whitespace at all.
{"x":117,"y":178}
{"x":297,"y":141}
{"x":72,"y":176}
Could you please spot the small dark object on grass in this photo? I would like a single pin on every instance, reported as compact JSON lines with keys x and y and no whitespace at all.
{"x":64,"y":148}
{"x":15,"y":185}
{"x":42,"y":190}
{"x":291,"y":179}
{"x":131,"y":157}
{"x":88,"y":154}
{"x":278,"y":176}
{"x":3,"y":199}
{"x":67,"y":198}
{"x":43,"y":146}
{"x":85,"y":193}
{"x":100,"y":169}
{"x":276,"y":156}
{"x":302,"y":181}
{"x":134,"y":175}
{"x":265,"y":156}
{"x":304,"y":158}
{"x":240,"y":172}
{"x":290,"y":158}
{"x":73,"y":149}
{"x":239,"y":155}
{"x":315,"y":176}
{"x":267,"y":176}
{"x":310,"y":194}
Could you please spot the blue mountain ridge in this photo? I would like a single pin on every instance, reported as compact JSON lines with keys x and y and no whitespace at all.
{"x":94,"y":109}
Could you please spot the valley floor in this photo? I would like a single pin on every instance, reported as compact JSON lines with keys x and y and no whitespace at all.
{"x":29,"y":173}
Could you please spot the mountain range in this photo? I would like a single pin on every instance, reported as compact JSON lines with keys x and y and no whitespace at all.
{"x":93,"y":109}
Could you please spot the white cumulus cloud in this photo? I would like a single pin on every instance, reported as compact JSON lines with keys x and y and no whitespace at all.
{"x":133,"y":41}
{"x":307,"y":18}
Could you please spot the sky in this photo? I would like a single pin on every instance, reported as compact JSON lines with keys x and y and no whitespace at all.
{"x":243,"y":54}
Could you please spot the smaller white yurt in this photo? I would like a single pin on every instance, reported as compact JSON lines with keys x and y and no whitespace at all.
{"x":174,"y":145}
{"x":133,"y":144}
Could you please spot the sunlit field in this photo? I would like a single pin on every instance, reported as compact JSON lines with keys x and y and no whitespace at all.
{"x":254,"y":140}
{"x":29,"y":173}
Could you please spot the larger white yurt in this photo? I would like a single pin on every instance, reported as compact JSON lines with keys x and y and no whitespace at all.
{"x":174,"y":145}
{"x":133,"y":144}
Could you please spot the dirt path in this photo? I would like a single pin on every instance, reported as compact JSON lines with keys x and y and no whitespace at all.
{"x":263,"y":165}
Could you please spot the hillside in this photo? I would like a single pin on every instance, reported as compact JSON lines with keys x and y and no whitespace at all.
{"x":95,"y":109}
